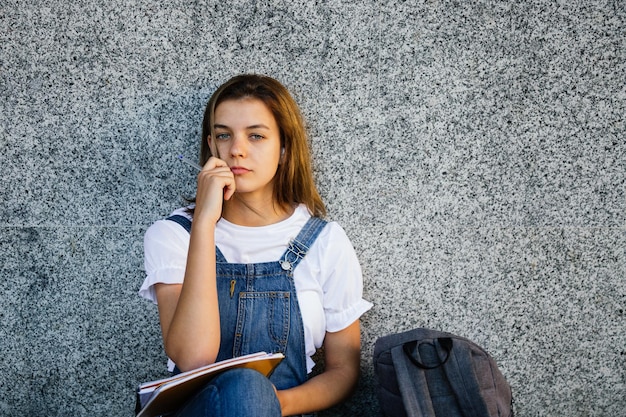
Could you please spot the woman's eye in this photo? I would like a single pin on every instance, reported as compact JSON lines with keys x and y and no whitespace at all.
{"x":222,"y":136}
{"x":254,"y":136}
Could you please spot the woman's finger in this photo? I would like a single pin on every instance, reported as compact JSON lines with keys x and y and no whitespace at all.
{"x":214,"y":162}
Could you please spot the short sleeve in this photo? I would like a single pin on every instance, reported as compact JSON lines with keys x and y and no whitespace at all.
{"x":166,"y":244}
{"x":342,"y":283}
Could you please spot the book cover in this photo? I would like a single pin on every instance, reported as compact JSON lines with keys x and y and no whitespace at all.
{"x":164,"y":396}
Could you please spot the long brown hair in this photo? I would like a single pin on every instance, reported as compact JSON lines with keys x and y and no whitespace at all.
{"x":294,"y":182}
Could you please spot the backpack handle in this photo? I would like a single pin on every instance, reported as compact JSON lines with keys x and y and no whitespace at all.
{"x":411,"y":350}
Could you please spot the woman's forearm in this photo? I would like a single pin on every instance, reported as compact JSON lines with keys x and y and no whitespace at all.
{"x":342,"y":353}
{"x":193,"y":335}
{"x":319,"y":393}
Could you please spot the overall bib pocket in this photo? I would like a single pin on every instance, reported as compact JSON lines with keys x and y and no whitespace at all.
{"x":263,"y":321}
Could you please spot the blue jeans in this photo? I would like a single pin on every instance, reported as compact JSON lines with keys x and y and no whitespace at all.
{"x":238,"y":392}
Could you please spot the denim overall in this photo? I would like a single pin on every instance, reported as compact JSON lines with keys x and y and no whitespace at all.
{"x":259,"y":308}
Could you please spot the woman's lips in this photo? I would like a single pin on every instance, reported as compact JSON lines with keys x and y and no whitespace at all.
{"x":239,"y":170}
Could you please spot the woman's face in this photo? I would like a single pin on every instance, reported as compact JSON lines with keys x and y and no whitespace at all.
{"x":247,"y":138}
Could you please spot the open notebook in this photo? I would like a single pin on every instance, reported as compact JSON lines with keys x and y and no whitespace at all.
{"x":164,"y":396}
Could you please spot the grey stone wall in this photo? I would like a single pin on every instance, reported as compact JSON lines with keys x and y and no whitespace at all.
{"x":475,"y":153}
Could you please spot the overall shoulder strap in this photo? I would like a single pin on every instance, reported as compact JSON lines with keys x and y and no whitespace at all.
{"x":182,"y":220}
{"x":299,"y":246}
{"x":186,"y":224}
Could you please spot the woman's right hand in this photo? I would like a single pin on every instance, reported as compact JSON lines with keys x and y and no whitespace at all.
{"x":216,"y":183}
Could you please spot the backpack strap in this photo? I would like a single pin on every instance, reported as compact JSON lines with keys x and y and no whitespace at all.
{"x":186,"y":224}
{"x":461,"y":373}
{"x":412,"y":384}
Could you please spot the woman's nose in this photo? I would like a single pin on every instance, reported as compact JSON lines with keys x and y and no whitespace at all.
{"x":238,"y":146}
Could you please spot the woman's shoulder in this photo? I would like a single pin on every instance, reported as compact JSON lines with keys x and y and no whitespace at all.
{"x":333,"y":239}
{"x":332,"y":230}
{"x":186,"y":212}
{"x":165,"y":226}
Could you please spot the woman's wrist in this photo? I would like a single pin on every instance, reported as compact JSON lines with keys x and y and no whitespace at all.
{"x":206,"y":223}
{"x":282,"y":400}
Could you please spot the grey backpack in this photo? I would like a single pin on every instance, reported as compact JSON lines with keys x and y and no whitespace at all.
{"x":427,"y":373}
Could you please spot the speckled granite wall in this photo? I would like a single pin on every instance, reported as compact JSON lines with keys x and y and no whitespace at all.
{"x":475,"y":152}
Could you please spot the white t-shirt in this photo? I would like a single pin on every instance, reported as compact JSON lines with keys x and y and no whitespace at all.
{"x":328,"y":280}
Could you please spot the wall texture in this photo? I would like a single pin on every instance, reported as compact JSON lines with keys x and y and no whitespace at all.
{"x":475,"y":153}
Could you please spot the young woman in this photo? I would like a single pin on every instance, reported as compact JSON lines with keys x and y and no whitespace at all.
{"x":257,"y":269}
